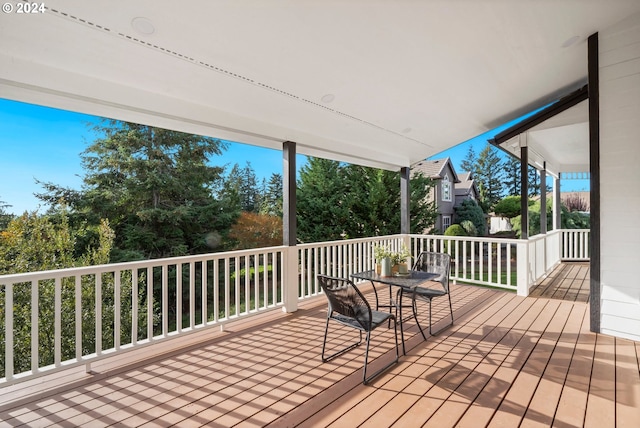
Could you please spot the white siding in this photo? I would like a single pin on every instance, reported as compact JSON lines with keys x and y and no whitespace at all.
{"x":619,"y":168}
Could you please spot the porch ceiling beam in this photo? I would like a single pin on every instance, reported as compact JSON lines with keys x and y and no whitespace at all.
{"x":558,"y":107}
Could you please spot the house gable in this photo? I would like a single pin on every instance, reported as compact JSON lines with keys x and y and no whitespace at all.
{"x":442,"y":172}
{"x":466,"y":188}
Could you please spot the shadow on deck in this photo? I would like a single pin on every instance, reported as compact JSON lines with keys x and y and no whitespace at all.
{"x":506,"y":361}
{"x":568,"y":281}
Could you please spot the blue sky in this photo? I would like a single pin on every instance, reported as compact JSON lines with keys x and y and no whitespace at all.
{"x":44,"y":143}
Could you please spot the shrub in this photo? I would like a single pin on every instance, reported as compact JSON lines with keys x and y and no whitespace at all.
{"x":508,"y":207}
{"x":455,"y":230}
{"x":471,"y":211}
{"x":469,"y":227}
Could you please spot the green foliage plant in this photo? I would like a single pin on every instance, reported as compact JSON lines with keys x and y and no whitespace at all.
{"x":337,"y":201}
{"x":34,"y":242}
{"x":455,"y":230}
{"x":490,"y":176}
{"x":469,"y":227}
{"x":508,"y":207}
{"x":156,"y":187}
{"x":401,"y":256}
{"x":380,"y":252}
{"x":469,"y":210}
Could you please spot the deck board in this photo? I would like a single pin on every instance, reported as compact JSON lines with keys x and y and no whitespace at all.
{"x":494,"y":391}
{"x":568,"y":281}
{"x":542,"y":408}
{"x":506,"y":361}
{"x":522,"y":389}
{"x":573,"y":400}
{"x":628,"y":391}
{"x":601,"y":402}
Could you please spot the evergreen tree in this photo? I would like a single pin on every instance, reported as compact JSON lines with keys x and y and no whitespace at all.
{"x":512,"y":183}
{"x":321,"y":213}
{"x":533,"y":184}
{"x":470,"y":162}
{"x":373,"y":205}
{"x":5,"y":217}
{"x":490,"y":174}
{"x":155,"y":187}
{"x":240,"y":189}
{"x":512,"y":176}
{"x":271,"y":199}
{"x":469,"y":210}
{"x":350,"y":201}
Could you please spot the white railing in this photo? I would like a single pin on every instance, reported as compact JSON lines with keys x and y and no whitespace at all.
{"x":575,"y":244}
{"x":475,"y":260}
{"x":56,"y":319}
{"x":338,"y":258}
{"x":542,"y":255}
{"x":66,"y":317}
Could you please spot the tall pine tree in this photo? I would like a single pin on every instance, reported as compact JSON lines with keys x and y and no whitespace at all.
{"x":240,"y":189}
{"x":512,"y":176}
{"x":321,"y":212}
{"x":490,"y":174}
{"x":154,"y":185}
{"x":338,"y":201}
{"x":271,"y":198}
{"x":470,"y":162}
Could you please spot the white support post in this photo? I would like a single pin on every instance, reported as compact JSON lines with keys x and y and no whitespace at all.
{"x":556,"y":203}
{"x":290,"y":253}
{"x":522,"y":255}
{"x":290,"y":279}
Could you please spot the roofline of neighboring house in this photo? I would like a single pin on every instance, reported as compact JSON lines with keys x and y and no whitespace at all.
{"x":445,"y":161}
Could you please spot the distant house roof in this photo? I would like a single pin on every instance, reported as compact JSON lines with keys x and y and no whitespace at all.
{"x":466,"y":188}
{"x":466,"y":183}
{"x":435,"y":169}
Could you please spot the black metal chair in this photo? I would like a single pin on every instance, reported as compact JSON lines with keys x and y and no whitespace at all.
{"x":348,"y":307}
{"x":439,"y":263}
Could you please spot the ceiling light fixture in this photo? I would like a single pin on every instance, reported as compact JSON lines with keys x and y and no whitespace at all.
{"x":143,"y":26}
{"x":328,"y":98}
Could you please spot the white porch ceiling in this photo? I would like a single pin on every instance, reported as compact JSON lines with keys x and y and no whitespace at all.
{"x":560,"y":143}
{"x":407,"y":79}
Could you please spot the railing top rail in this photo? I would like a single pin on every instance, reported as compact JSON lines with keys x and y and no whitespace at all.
{"x":140,"y":264}
{"x":112,"y":267}
{"x":472,"y":238}
{"x":346,"y":241}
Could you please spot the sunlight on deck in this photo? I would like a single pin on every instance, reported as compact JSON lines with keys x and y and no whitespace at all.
{"x":506,"y":360}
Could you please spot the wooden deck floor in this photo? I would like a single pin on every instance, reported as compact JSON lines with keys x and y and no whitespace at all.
{"x":568,"y":281}
{"x":507,"y":361}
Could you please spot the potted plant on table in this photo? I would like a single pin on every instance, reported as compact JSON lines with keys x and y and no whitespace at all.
{"x":399,"y":261}
{"x":383,"y":260}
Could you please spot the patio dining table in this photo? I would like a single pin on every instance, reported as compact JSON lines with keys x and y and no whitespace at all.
{"x":402,"y":283}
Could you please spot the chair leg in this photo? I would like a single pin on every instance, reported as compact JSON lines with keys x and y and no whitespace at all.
{"x":365,"y":379}
{"x":415,"y":315}
{"x":430,"y":332}
{"x":366,"y":357}
{"x":340,"y":352}
{"x":450,"y":309}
